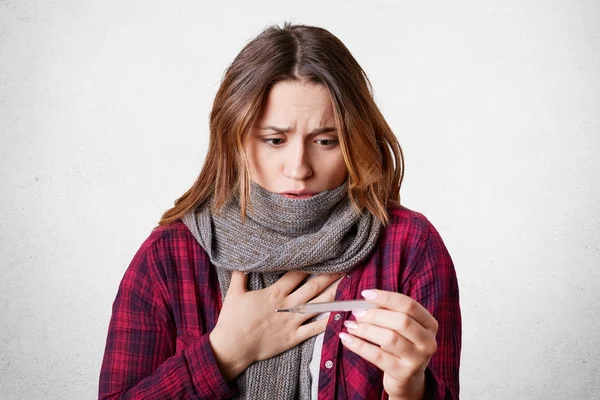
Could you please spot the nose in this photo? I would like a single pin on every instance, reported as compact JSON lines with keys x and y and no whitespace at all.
{"x":297,"y":163}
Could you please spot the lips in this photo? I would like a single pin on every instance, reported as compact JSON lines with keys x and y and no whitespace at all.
{"x":300,"y":194}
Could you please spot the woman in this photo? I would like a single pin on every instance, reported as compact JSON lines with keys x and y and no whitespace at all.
{"x":297,"y":201}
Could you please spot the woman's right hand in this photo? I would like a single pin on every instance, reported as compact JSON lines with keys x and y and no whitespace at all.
{"x":249,"y":329}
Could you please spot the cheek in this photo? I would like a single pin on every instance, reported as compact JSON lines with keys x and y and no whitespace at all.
{"x":261,"y":164}
{"x":342,"y":171}
{"x":252,"y":158}
{"x":337,"y":169}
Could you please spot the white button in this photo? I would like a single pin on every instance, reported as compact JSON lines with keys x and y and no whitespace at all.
{"x":337,"y":317}
{"x":328,"y":364}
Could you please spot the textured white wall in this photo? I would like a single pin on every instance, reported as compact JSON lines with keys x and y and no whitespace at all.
{"x":103,"y":121}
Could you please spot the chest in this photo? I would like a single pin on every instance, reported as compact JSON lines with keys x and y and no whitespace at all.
{"x":342,"y":374}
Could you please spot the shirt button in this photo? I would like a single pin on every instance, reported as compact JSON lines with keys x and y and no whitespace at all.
{"x":337,"y":317}
{"x":328,"y":364}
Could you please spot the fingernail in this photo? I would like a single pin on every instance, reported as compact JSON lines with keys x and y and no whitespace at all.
{"x":369,"y":294}
{"x":350,"y":324}
{"x":359,"y":313}
{"x":345,"y":337}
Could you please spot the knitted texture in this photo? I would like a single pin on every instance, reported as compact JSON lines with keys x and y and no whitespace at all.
{"x":323,"y":234}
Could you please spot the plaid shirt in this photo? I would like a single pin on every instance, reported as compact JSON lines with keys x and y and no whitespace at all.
{"x":169,"y":300}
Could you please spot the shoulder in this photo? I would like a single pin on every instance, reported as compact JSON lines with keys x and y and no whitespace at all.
{"x":406,"y":222}
{"x":411,"y":230}
{"x":175,"y":233}
{"x":170,"y":248}
{"x":402,"y":215}
{"x":169,"y":254}
{"x":169,"y":244}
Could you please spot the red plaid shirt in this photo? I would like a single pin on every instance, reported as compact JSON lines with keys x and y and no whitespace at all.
{"x":169,"y":300}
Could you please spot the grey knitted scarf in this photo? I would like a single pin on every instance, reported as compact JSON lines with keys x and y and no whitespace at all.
{"x":323,"y":234}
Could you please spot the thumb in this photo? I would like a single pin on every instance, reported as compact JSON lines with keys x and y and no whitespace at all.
{"x":238,"y":282}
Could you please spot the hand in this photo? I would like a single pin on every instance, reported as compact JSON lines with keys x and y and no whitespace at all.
{"x":398,"y":337}
{"x":249,"y":329}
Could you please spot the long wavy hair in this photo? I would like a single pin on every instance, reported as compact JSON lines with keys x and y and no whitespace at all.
{"x":370,"y":149}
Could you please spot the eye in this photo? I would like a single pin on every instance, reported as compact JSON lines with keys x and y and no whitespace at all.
{"x":273,"y":141}
{"x":326,"y":142}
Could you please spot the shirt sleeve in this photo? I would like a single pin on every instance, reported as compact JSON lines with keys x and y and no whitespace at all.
{"x":435,"y":286}
{"x":140,"y":359}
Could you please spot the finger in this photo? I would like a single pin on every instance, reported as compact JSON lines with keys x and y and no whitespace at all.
{"x":326,"y":295}
{"x":289,"y":281}
{"x":400,"y":302}
{"x":238,"y":282}
{"x":312,"y":288}
{"x":400,"y":322}
{"x":374,"y":354}
{"x":311,"y":329}
{"x":388,"y":339}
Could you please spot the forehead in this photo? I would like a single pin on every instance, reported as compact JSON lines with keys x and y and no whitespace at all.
{"x":289,"y":101}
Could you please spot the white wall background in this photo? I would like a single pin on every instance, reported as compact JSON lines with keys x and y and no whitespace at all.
{"x":103,"y":122}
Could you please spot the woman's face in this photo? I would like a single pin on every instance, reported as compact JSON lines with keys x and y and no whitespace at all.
{"x":293,"y":148}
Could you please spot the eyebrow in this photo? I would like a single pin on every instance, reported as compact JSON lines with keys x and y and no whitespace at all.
{"x":325,"y":129}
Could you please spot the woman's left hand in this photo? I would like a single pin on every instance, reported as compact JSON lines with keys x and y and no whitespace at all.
{"x":398,"y":337}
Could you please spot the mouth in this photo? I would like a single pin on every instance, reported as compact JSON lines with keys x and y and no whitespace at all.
{"x":299,"y":195}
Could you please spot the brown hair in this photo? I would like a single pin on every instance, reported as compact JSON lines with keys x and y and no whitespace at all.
{"x":371,"y":152}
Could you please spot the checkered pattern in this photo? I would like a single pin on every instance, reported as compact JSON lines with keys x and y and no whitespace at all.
{"x":169,"y":300}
